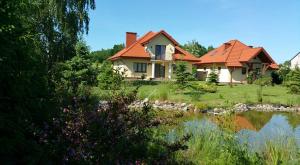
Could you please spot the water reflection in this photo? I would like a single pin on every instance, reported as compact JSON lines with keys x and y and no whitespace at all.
{"x":252,"y":128}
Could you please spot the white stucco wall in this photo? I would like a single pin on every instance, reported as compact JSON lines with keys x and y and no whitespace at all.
{"x":224,"y":74}
{"x":295,"y":62}
{"x":127,"y":66}
{"x":237,"y":76}
{"x":160,"y":40}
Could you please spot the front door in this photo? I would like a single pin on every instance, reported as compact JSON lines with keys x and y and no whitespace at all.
{"x":159,"y":71}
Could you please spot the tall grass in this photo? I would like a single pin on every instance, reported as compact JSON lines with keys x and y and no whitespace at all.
{"x":211,"y":144}
{"x":281,"y":151}
{"x":157,"y":92}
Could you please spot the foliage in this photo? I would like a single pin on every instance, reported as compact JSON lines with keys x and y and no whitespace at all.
{"x":196,"y":49}
{"x":293,"y":81}
{"x":34,"y":35}
{"x":264,"y":81}
{"x":75,"y":75}
{"x":103,"y":54}
{"x":201,"y":106}
{"x":213,"y":77}
{"x":111,"y":133}
{"x":252,"y":76}
{"x":276,"y":78}
{"x":182,"y":74}
{"x":207,"y":87}
{"x":110,"y":78}
{"x":284,"y":70}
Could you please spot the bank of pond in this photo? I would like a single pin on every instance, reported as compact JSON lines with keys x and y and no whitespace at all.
{"x":250,"y":137}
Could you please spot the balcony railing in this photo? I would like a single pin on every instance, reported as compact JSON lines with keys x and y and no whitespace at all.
{"x":160,"y":57}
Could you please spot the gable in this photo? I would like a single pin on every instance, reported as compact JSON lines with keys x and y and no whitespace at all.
{"x":144,"y":47}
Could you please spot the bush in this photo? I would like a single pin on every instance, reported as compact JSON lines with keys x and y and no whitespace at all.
{"x":213,"y":77}
{"x":182,"y":75}
{"x":276,"y":78}
{"x":264,"y":81}
{"x":293,"y":81}
{"x":207,"y":87}
{"x":201,"y":106}
{"x":110,"y":78}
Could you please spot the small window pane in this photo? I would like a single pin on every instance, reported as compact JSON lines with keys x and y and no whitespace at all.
{"x":244,"y":70}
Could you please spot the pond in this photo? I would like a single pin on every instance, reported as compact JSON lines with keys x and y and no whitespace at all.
{"x":252,"y":128}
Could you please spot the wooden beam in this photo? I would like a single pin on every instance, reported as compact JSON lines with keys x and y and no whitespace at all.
{"x":230,"y":71}
{"x":264,"y":68}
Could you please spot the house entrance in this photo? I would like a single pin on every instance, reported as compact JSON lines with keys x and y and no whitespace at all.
{"x":159,"y":71}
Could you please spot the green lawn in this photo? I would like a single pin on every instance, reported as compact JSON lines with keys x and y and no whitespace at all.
{"x":224,"y":96}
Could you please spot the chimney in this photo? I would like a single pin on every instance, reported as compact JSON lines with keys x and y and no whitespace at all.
{"x":227,"y":45}
{"x":130,"y":38}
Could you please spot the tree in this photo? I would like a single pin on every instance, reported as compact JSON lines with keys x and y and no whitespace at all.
{"x":197,"y":49}
{"x":74,"y":76}
{"x":33,"y":36}
{"x":103,"y":54}
{"x":284,"y":70}
{"x":293,"y":81}
{"x":110,"y":78}
{"x":181,"y":74}
{"x":213,"y":77}
{"x":58,"y":25}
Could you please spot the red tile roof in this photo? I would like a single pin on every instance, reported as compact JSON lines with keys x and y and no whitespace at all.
{"x":137,"y":49}
{"x":183,"y":55}
{"x":234,"y":53}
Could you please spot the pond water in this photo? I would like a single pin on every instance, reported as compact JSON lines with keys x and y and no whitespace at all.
{"x":253,"y":128}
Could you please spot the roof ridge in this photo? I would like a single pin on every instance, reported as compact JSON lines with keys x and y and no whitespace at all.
{"x":295,"y":56}
{"x":167,"y":35}
{"x":230,"y":50}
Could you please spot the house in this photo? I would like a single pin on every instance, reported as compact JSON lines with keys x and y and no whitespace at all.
{"x":151,"y":56}
{"x":295,"y":61}
{"x":235,"y":61}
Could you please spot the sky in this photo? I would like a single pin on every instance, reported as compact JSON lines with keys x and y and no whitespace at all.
{"x":272,"y":24}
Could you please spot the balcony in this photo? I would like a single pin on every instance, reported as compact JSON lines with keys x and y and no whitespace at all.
{"x":160,"y":57}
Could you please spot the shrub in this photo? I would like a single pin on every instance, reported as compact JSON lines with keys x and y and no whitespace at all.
{"x":110,"y":78}
{"x":201,"y":106}
{"x":276,"y":78}
{"x":213,"y":77}
{"x":143,"y":76}
{"x":182,"y":75}
{"x":264,"y":81}
{"x":207,"y":87}
{"x":293,"y":81}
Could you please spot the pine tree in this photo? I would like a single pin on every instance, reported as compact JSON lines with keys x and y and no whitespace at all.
{"x":213,"y":77}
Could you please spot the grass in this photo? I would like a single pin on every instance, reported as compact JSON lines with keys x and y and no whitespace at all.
{"x":225,"y":96}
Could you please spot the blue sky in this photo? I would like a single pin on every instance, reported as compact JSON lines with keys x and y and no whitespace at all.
{"x":273,"y":24}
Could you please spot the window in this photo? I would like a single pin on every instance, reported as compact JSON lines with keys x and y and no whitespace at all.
{"x":219,"y":70}
{"x":160,"y":51}
{"x":140,"y":67}
{"x":244,"y":70}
